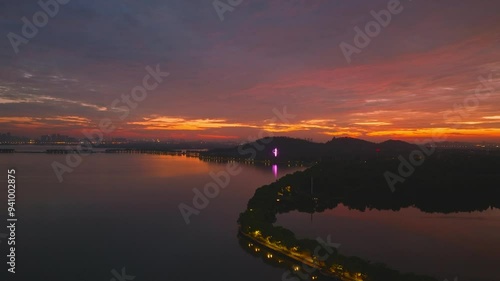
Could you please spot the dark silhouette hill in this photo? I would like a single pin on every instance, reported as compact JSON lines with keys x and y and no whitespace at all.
{"x":292,"y":149}
{"x":397,"y":145}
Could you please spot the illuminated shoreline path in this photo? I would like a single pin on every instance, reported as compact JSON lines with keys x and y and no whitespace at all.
{"x":263,"y":237}
{"x":280,"y":246}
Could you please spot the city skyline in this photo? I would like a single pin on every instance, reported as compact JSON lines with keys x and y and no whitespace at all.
{"x":58,"y":139}
{"x":226,"y":79}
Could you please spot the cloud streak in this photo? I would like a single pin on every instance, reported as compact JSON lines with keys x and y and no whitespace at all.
{"x":265,"y":54}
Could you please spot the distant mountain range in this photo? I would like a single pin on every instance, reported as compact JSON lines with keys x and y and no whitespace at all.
{"x":291,"y":149}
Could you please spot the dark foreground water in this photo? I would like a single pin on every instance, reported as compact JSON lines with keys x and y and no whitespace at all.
{"x":121,"y":211}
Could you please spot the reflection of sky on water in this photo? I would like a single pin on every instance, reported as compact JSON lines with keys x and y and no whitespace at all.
{"x":118,"y":210}
{"x":410,"y":240}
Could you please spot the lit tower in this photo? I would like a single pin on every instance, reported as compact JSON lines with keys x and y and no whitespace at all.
{"x":275,"y":166}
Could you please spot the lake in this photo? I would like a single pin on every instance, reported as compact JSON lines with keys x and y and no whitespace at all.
{"x":119,"y":211}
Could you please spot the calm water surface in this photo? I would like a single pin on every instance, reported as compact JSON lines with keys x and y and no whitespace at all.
{"x":118,"y":211}
{"x":465,"y":245}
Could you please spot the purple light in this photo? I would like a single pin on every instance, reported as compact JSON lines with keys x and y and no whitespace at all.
{"x":275,"y":171}
{"x":275,"y":152}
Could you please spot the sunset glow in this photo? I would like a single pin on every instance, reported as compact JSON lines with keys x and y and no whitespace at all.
{"x":412,"y":81}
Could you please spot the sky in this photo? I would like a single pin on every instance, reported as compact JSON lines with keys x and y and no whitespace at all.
{"x":232,"y":79}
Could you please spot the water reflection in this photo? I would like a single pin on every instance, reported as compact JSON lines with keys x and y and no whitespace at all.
{"x":280,"y":247}
{"x":99,"y":214}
